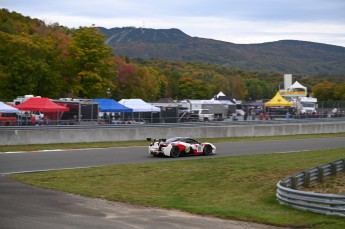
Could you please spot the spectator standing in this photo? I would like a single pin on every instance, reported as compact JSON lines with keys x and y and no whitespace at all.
{"x":261,"y":116}
{"x":33,"y":120}
{"x":253,"y":114}
{"x":111,"y":117}
{"x":245,"y":115}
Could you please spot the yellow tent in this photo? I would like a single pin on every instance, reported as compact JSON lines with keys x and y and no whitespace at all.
{"x":278,"y":101}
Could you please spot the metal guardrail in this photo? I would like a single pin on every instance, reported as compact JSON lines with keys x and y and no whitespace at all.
{"x":329,"y":204}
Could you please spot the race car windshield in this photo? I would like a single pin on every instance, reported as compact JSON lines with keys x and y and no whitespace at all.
{"x":187,"y":140}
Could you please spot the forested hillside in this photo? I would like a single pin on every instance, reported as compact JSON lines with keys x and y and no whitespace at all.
{"x":296,"y":57}
{"x":54,"y":61}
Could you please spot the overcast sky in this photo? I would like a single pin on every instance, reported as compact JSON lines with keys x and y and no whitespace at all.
{"x":237,"y":21}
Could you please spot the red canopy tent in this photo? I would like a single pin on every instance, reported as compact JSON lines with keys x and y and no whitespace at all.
{"x":44,"y":105}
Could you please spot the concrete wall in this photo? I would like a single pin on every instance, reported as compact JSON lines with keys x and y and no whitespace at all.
{"x":47,"y":135}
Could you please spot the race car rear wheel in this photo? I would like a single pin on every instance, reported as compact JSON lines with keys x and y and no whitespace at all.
{"x":175,"y":152}
{"x":207,"y":150}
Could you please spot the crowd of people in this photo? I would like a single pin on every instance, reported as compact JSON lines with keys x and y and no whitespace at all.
{"x":32,"y":120}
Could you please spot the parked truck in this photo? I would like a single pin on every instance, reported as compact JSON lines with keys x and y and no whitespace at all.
{"x":81,"y":111}
{"x":8,"y":119}
{"x":306,"y":105}
{"x":202,"y":115}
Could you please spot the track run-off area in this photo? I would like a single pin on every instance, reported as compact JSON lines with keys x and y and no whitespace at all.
{"x":24,"y":206}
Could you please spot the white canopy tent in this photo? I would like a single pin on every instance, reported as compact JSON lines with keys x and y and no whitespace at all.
{"x":138,"y":105}
{"x":297,"y":86}
{"x":218,"y":95}
{"x":4,"y":108}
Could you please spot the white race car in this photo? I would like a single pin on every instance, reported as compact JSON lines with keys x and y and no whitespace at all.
{"x":179,"y":146}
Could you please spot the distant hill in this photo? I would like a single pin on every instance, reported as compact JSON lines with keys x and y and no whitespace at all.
{"x":286,"y":56}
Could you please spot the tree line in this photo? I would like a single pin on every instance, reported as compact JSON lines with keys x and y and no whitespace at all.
{"x":54,"y":61}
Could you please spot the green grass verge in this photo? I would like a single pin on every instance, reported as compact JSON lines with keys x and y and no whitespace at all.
{"x":241,"y":187}
{"x":144,"y":142}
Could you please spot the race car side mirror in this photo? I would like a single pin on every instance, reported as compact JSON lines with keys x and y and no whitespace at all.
{"x":163,"y":140}
{"x":148,"y":139}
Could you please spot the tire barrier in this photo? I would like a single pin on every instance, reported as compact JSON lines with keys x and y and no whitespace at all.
{"x":329,"y":204}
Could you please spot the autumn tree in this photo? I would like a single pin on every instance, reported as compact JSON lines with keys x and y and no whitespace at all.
{"x":339,"y":92}
{"x":135,"y":81}
{"x":323,"y":91}
{"x":90,"y":65}
{"x":55,"y":61}
{"x":190,"y":88}
{"x":234,"y":87}
{"x":151,"y":84}
{"x":31,"y":56}
{"x":258,"y":89}
{"x":27,"y":63}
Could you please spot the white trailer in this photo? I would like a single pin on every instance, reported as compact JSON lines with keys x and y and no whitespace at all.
{"x":306,"y":105}
{"x":216,"y":107}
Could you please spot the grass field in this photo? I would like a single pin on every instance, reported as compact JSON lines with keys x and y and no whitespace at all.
{"x":241,"y":187}
{"x":144,"y":142}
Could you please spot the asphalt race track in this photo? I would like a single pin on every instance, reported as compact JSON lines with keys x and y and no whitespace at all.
{"x":23,"y":206}
{"x":19,"y":162}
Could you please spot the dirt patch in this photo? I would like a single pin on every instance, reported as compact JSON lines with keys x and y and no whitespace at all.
{"x":333,"y":185}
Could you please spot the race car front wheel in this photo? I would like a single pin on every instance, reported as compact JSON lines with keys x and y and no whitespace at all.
{"x":207,"y":150}
{"x":175,"y":152}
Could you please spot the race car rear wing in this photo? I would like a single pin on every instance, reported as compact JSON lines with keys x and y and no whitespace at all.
{"x":155,"y":140}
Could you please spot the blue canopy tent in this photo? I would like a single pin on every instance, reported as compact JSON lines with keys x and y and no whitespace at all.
{"x":110,"y":105}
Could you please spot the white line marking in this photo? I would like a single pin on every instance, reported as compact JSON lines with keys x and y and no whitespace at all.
{"x":47,"y":170}
{"x":69,"y":149}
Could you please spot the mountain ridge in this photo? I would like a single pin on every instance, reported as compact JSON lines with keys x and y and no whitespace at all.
{"x":285,"y":56}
